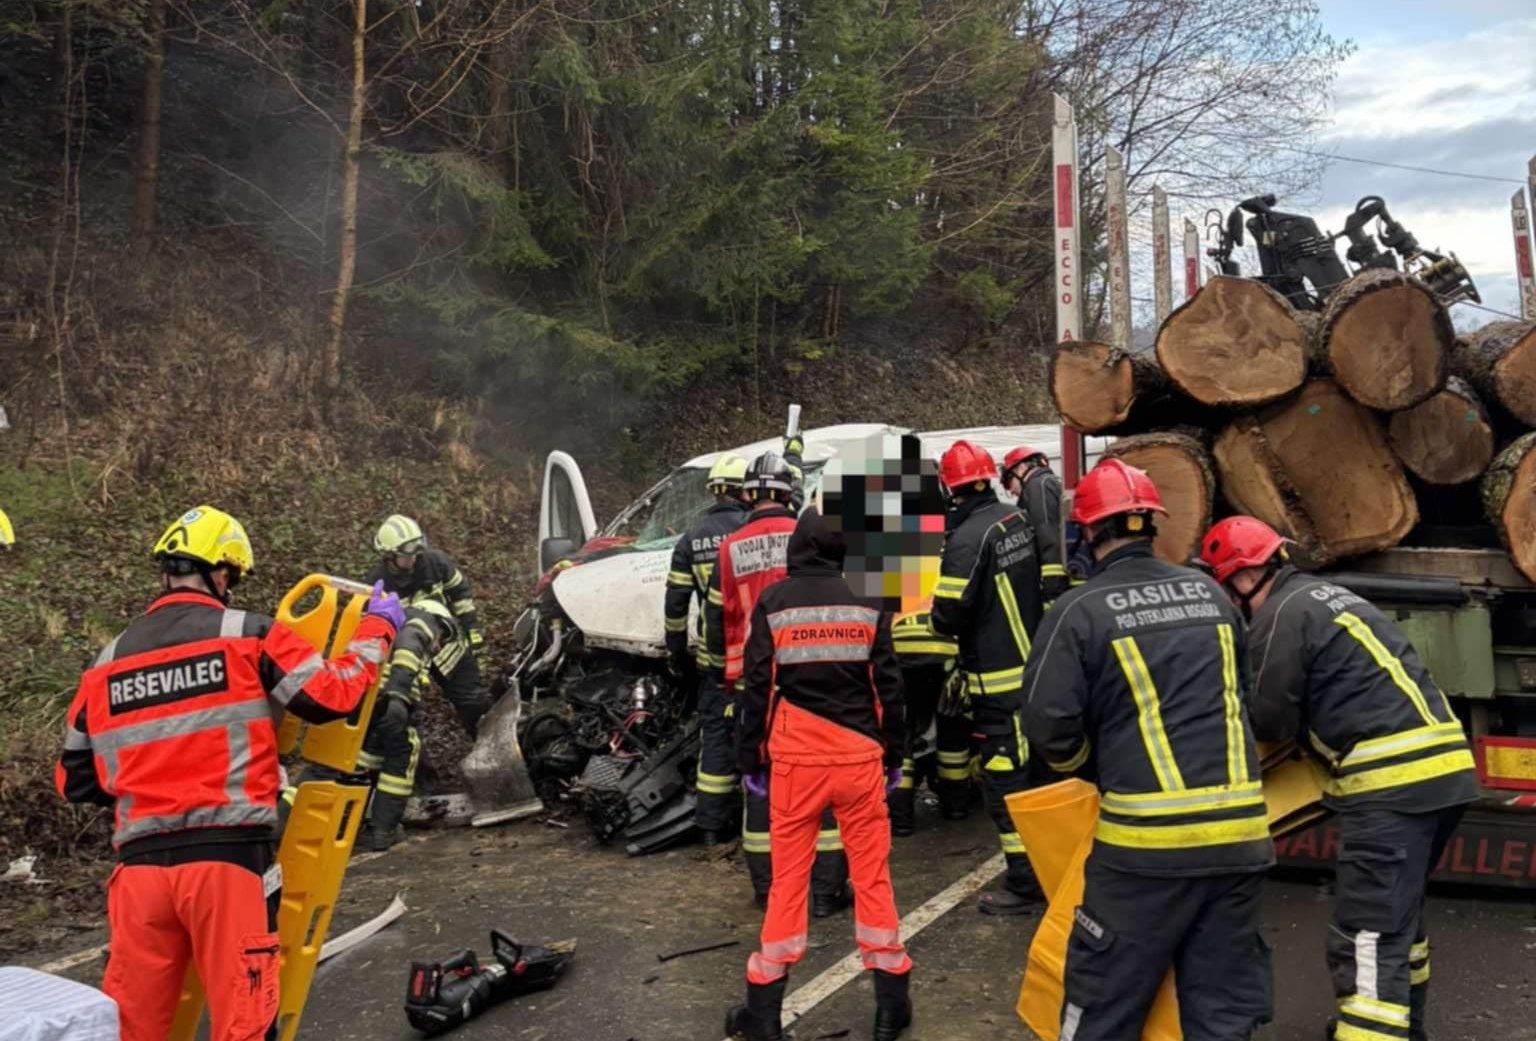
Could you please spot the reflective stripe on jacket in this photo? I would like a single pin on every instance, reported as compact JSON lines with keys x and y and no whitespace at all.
{"x":1145,"y":666}
{"x":1328,"y":662}
{"x":988,"y":596}
{"x":821,"y":683}
{"x":915,"y":641}
{"x":174,"y":723}
{"x":693,"y":561}
{"x":751,"y":559}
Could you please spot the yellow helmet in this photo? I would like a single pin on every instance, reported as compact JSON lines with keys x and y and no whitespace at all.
{"x":7,"y":533}
{"x":425,"y":603}
{"x":399,"y":534}
{"x":206,"y":537}
{"x":729,"y":471}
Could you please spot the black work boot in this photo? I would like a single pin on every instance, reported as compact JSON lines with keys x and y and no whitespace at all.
{"x":954,"y":799}
{"x":1007,"y":902}
{"x":384,"y":828}
{"x":893,"y":1005}
{"x":759,"y":1018}
{"x":825,"y":905}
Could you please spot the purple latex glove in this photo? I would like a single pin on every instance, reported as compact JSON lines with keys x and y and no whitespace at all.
{"x":756,"y":784}
{"x":892,"y":779}
{"x":386,"y":606}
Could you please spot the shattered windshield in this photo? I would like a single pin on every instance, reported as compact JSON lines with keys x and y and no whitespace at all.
{"x":670,"y":508}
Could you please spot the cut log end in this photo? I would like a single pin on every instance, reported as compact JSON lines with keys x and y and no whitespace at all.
{"x":1181,"y":469}
{"x":1447,"y":439}
{"x":1509,"y":499}
{"x":1235,"y":343}
{"x":1318,"y":467}
{"x":1386,"y":338}
{"x":1092,"y":384}
{"x":1514,"y":377}
{"x":1500,"y":361}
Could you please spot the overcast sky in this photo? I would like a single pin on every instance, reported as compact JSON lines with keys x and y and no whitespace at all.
{"x":1449,"y":86}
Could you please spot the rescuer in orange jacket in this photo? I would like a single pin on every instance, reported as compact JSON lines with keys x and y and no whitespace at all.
{"x":749,"y":560}
{"x":821,"y":708}
{"x":172,"y":726}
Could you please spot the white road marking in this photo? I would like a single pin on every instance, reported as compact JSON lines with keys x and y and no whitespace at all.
{"x":847,"y":969}
{"x":69,"y":961}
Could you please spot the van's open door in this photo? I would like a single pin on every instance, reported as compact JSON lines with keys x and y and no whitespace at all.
{"x":565,"y":514}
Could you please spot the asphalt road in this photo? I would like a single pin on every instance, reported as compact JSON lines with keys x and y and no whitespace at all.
{"x":542,"y":883}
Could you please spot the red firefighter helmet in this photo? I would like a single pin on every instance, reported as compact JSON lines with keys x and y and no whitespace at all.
{"x":1237,"y":543}
{"x":1022,"y":454}
{"x":1114,"y":487}
{"x":966,"y":463}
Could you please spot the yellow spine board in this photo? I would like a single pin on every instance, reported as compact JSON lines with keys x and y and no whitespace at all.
{"x":328,"y":627}
{"x":314,"y":854}
{"x":1057,"y":824}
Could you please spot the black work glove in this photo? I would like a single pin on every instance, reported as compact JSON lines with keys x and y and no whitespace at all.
{"x":397,"y":714}
{"x":1053,"y":586}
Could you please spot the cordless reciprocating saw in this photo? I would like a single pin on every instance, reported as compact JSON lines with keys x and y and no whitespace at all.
{"x":443,"y":995}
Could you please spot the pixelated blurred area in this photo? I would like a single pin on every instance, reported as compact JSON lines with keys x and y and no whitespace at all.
{"x":885,"y":499}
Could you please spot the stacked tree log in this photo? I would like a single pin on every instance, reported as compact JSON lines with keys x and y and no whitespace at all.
{"x":1336,"y":428}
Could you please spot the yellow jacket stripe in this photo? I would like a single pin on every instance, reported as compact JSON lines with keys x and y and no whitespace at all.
{"x":1078,"y":759}
{"x":1003,"y":681}
{"x":1384,"y":658}
{"x":1237,"y":758}
{"x":1011,"y":609}
{"x":1405,"y":773}
{"x":950,"y":587}
{"x":1184,"y":836}
{"x":1188,"y":800}
{"x":1150,"y":716}
{"x":1378,"y":748}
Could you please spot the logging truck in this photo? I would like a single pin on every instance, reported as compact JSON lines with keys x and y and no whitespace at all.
{"x":1396,"y":456}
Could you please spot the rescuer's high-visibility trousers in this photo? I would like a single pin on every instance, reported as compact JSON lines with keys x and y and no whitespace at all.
{"x":717,"y":779}
{"x":1378,"y":952}
{"x":1131,"y":929}
{"x":830,"y":872}
{"x":855,"y":793}
{"x":212,"y":913}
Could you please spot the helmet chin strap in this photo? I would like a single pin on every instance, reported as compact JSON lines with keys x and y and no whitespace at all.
{"x":1245,"y":600}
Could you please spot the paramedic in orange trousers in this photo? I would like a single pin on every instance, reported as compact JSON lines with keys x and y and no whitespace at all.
{"x":821,"y":709}
{"x":173,"y":728}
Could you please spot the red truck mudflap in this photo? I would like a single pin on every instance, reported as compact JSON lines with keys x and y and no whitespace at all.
{"x":1496,"y":843}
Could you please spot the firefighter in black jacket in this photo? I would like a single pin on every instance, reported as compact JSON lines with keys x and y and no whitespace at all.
{"x":988,"y":598}
{"x":416,"y":572}
{"x":821,"y":708}
{"x":1027,"y":476}
{"x":392,"y":745}
{"x":1332,"y":668}
{"x":693,"y":560}
{"x":1142,"y":670}
{"x":936,"y":705}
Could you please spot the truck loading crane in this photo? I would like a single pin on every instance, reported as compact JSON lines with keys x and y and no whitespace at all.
{"x":1299,"y":261}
